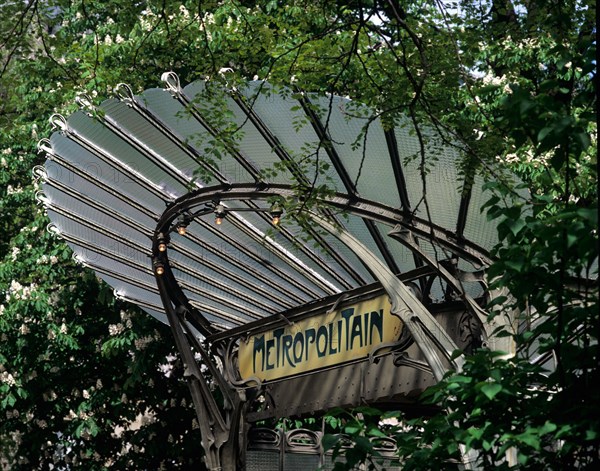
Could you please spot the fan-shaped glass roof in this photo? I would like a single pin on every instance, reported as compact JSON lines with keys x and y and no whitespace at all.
{"x":120,"y":178}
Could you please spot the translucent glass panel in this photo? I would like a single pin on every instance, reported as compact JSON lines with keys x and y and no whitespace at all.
{"x":109,"y":180}
{"x":360,"y":143}
{"x":433,"y":183}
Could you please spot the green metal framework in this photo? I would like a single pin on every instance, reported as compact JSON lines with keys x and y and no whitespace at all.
{"x":122,"y":187}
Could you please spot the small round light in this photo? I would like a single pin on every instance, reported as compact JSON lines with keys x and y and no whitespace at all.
{"x":181,"y":229}
{"x":219,"y":214}
{"x":276,"y":213}
{"x":162,"y":247}
{"x":159,"y":270}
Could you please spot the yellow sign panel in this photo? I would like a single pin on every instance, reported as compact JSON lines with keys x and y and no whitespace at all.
{"x":325,"y":340}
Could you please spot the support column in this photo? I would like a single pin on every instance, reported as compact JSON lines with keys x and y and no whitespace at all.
{"x":222,"y":430}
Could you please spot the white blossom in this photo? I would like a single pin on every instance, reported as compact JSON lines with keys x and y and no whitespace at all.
{"x":10,"y":190}
{"x":115,"y":329}
{"x":7,"y":378}
{"x":43,"y":259}
{"x":393,"y":421}
{"x":166,"y":369}
{"x":142,"y":343}
{"x":209,"y":18}
{"x":490,"y":79}
{"x":15,"y":286}
{"x":184,"y":11}
{"x":14,"y":253}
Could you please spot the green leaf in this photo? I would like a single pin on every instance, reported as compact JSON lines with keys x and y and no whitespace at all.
{"x":329,"y":441}
{"x":544,"y":132}
{"x":516,"y":225}
{"x":548,"y":427}
{"x":460,"y":379}
{"x":491,"y":390}
{"x":516,"y":265}
{"x":529,"y":438}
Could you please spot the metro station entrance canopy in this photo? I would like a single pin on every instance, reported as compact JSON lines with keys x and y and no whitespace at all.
{"x":319,"y":255}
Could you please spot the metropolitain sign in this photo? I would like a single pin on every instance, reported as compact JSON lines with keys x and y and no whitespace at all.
{"x":349,"y":333}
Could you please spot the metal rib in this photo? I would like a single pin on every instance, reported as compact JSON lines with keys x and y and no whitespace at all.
{"x":329,"y":148}
{"x":248,"y":166}
{"x":463,"y":210}
{"x":154,"y":157}
{"x":283,"y":275}
{"x":233,"y":276}
{"x":101,"y":184}
{"x":220,"y":298}
{"x":303,"y":270}
{"x":159,"y":124}
{"x":97,"y":227}
{"x":114,"y":162}
{"x":280,"y":151}
{"x":146,"y":268}
{"x":132,"y":223}
{"x":308,"y":253}
{"x":206,"y":308}
{"x":392,"y":145}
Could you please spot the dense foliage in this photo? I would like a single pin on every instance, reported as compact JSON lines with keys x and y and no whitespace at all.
{"x":512,"y":84}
